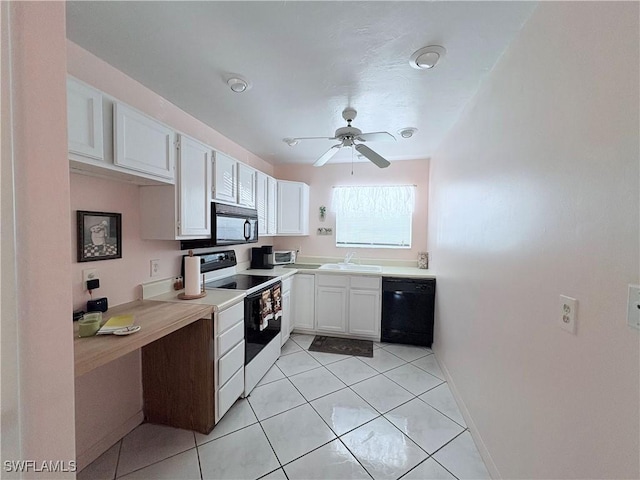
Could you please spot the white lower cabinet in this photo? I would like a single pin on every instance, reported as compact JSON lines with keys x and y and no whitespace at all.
{"x":229,"y":358}
{"x":331,"y":303}
{"x":286,"y":325}
{"x":303,"y":304}
{"x":348,"y":304}
{"x":364,"y":312}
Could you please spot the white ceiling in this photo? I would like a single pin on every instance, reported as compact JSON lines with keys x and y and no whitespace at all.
{"x":306,"y":62}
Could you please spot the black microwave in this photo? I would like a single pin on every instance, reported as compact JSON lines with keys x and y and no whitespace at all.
{"x":230,"y":225}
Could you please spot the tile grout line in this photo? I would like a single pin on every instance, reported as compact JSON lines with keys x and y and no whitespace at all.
{"x":268,"y":441}
{"x":198,"y":455}
{"x":115,"y":472}
{"x":337,"y":437}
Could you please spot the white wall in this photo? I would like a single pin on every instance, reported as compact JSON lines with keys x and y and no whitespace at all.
{"x":535,"y":193}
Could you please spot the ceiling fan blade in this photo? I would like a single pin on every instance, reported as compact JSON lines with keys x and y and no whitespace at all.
{"x":326,"y":156}
{"x":376,"y":137}
{"x":313,"y":138}
{"x":372,"y":156}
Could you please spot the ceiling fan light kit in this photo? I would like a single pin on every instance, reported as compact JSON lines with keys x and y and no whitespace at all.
{"x":347,"y":137}
{"x":427,"y":57}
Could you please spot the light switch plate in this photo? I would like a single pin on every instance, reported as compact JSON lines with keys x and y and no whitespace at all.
{"x":633,"y":306}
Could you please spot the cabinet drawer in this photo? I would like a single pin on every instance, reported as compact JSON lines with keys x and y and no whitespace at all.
{"x":229,"y":317}
{"x":368,"y":283}
{"x":229,"y":338}
{"x":332,"y":280}
{"x":228,"y":394}
{"x":231,"y":362}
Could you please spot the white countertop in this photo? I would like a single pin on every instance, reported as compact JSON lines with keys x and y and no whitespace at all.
{"x":387,"y":271}
{"x":219,"y":299}
{"x":223,"y":299}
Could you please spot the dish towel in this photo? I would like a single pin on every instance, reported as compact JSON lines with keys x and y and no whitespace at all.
{"x":266,"y":309}
{"x":277,"y":302}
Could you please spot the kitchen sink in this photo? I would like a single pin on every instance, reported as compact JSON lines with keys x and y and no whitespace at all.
{"x":351,"y":267}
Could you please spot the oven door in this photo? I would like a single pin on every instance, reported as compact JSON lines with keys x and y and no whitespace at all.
{"x":255,"y":338}
{"x":234,"y":225}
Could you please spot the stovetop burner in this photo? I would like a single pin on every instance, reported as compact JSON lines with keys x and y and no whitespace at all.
{"x":238,"y":282}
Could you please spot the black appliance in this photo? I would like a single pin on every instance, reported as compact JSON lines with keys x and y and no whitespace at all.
{"x":230,"y":225}
{"x":261,"y":257}
{"x":407,"y":310}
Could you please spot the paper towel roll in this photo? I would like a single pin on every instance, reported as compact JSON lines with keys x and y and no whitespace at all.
{"x":192,"y":275}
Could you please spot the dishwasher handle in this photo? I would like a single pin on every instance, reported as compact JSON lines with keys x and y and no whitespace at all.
{"x":409,"y":285}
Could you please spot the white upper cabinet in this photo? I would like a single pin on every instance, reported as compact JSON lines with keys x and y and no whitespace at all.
{"x":194,"y":185}
{"x":266,"y":201}
{"x":180,"y":211}
{"x":225,"y":181}
{"x":246,"y":186}
{"x":142,"y":143}
{"x":293,"y":208}
{"x":272,"y":206}
{"x":84,"y":120}
{"x":262,"y":182}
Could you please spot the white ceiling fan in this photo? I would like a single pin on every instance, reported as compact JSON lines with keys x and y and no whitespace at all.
{"x":347,"y":137}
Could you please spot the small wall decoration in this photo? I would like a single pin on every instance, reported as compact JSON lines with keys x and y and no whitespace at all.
{"x":323,"y":212}
{"x":99,"y":236}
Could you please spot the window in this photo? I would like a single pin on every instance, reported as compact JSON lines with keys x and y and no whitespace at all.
{"x":374,"y":217}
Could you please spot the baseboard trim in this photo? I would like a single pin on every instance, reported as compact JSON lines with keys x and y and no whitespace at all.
{"x":473,"y":430}
{"x":87,"y":456}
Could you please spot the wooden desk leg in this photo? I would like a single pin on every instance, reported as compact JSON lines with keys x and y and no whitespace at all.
{"x":178,"y":378}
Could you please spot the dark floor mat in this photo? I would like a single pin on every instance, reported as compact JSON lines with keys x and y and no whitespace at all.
{"x":343,"y":346}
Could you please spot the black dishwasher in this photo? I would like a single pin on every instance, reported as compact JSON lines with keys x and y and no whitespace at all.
{"x":407,"y":310}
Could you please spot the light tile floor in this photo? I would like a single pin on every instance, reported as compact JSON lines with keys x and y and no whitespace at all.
{"x":317,"y":416}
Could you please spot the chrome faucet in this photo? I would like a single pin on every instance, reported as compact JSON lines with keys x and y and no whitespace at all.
{"x":348,"y":257}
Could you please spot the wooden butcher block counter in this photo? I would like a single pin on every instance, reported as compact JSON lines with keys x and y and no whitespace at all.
{"x":157,"y":320}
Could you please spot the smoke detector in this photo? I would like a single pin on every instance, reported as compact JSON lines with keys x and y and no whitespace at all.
{"x":237,"y":83}
{"x":427,"y":57}
{"x":407,"y":132}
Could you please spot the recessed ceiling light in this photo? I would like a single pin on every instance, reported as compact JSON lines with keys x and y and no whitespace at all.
{"x":407,"y":132}
{"x":238,"y":84}
{"x":427,"y":57}
{"x":290,"y":141}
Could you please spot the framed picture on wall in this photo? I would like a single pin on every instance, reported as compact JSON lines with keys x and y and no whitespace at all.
{"x":99,"y":236}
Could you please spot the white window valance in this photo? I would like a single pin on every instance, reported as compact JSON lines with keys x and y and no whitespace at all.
{"x":381,"y":200}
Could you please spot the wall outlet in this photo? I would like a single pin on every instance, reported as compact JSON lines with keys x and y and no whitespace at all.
{"x":633,"y":306}
{"x":568,"y":314}
{"x":298,"y":250}
{"x":155,"y":267}
{"x":89,"y":274}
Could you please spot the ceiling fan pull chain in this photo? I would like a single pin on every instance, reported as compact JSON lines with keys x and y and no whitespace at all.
{"x":352,"y":159}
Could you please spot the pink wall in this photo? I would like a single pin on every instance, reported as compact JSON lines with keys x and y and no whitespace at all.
{"x":121,"y":398}
{"x":42,"y":233}
{"x":535,"y":194}
{"x":321,"y":180}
